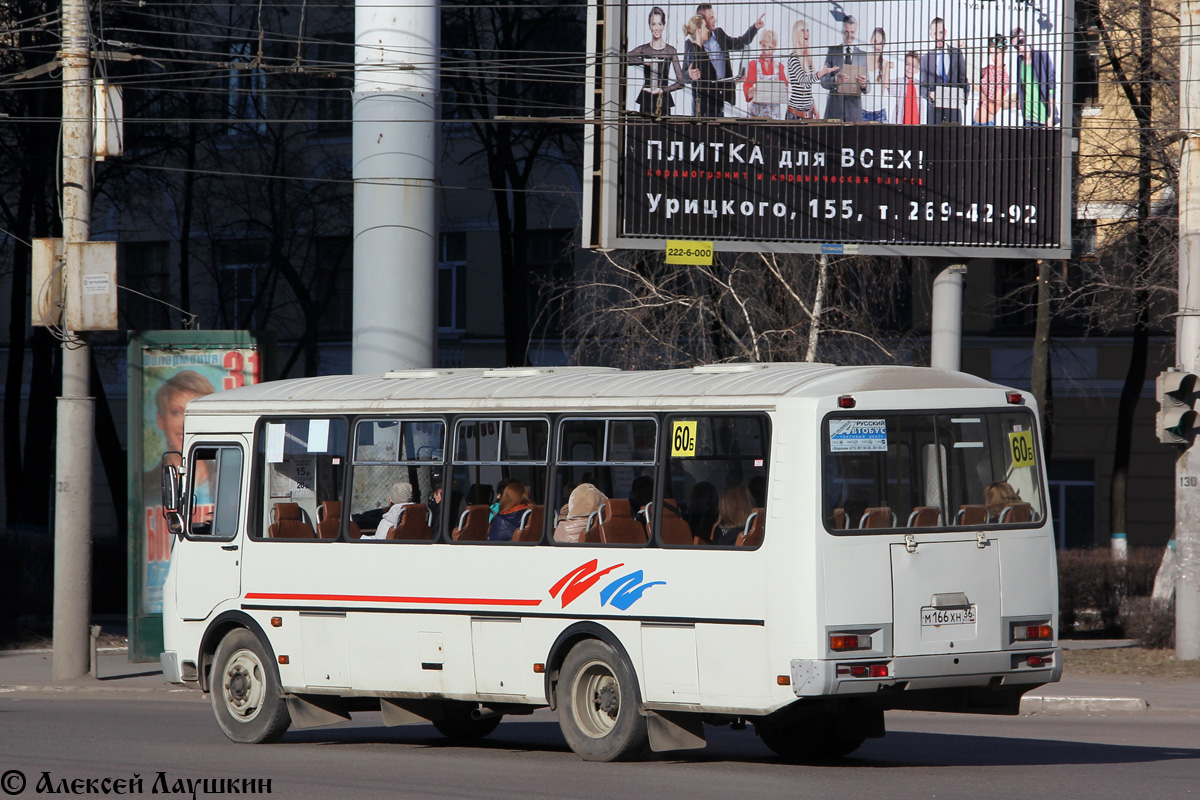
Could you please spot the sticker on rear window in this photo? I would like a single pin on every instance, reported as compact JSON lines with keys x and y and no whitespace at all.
{"x":858,"y":436}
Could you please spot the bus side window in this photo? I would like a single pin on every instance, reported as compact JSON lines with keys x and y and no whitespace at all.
{"x":301,"y":465}
{"x":216,"y":486}
{"x":500,"y":466}
{"x":717,"y":493}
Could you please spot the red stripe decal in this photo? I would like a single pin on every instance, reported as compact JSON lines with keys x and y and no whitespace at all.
{"x":368,"y":598}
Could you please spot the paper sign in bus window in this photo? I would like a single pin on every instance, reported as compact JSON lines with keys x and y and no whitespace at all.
{"x":1020,"y":444}
{"x":858,"y":436}
{"x":683,"y":439}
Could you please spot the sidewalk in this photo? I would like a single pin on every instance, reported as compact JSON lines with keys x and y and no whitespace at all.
{"x":29,"y":671}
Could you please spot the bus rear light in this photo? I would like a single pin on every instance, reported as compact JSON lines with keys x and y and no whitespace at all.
{"x":846,"y":401}
{"x":1033,"y":633}
{"x":1040,"y":661}
{"x":862,"y":670}
{"x":1015,"y":398}
{"x":840,"y":642}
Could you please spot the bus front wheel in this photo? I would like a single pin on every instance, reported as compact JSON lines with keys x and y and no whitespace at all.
{"x":246,"y":697}
{"x":598,"y":704}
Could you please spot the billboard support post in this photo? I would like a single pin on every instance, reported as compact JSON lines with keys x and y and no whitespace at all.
{"x":945,"y":346}
{"x":1187,"y":342}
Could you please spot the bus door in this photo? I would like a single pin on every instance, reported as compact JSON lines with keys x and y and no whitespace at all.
{"x":207,"y":560}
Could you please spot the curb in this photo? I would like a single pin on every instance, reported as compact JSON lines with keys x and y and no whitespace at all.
{"x":99,"y":690}
{"x":1082,"y":705}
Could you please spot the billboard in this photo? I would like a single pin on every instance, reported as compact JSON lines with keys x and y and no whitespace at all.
{"x":166,"y":370}
{"x":903,"y":127}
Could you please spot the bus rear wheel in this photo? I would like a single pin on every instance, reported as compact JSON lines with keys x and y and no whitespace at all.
{"x":598,"y":704}
{"x":460,"y":725}
{"x":246,"y":697}
{"x":820,"y":737}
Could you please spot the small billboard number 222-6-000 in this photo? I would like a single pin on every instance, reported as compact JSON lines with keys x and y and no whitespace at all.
{"x":874,"y":127}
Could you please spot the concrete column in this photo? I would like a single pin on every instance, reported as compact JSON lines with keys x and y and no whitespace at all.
{"x":395,"y":158}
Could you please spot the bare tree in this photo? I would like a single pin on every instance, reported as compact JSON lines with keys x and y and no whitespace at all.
{"x":634,"y":311}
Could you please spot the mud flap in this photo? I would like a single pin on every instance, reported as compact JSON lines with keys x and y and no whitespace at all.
{"x":315,"y":710}
{"x":410,"y":712}
{"x":674,"y":731}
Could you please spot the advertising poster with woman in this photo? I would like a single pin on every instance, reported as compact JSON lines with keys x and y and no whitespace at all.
{"x":166,"y":371}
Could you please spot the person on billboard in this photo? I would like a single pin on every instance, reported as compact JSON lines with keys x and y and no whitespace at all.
{"x":801,"y":76}
{"x":846,"y":76}
{"x":944,"y":77}
{"x":993,"y":84}
{"x":1035,"y":83}
{"x":657,"y":60}
{"x":765,"y":71}
{"x":170,"y":400}
{"x":718,"y":45}
{"x":706,"y":93}
{"x":911,"y":108}
{"x":875,"y":104}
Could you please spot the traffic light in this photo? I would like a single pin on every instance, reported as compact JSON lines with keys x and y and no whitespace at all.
{"x":1176,"y":420}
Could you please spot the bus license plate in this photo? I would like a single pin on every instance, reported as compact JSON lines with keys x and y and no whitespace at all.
{"x":947,"y":616}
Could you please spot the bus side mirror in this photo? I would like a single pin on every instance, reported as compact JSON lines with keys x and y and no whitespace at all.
{"x":171,"y":485}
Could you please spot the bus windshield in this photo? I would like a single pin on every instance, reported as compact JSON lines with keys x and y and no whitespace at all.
{"x":931,"y":470}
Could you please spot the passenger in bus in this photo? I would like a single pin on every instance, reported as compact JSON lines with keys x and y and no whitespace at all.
{"x":997,"y":496}
{"x":641,"y":494}
{"x":702,"y":510}
{"x":566,"y":493}
{"x":513,"y":503}
{"x":398,"y":496}
{"x":500,"y":487}
{"x":732,"y":512}
{"x":436,"y":497}
{"x":585,"y":500}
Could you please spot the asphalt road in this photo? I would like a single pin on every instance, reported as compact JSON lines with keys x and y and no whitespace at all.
{"x":924,"y":755}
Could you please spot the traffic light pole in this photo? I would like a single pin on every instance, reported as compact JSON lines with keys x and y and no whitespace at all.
{"x":1187,"y":341}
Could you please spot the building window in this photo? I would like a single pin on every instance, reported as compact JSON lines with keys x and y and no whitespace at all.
{"x":145,"y":273}
{"x":452,"y":283}
{"x":550,"y":255}
{"x":1083,"y":234}
{"x":335,"y":264}
{"x":334,"y":63}
{"x":247,"y":92}
{"x":1073,"y":501}
{"x":241,"y":264}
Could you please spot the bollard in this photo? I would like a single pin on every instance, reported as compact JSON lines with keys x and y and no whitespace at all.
{"x":94,"y":663}
{"x":1119,"y":546}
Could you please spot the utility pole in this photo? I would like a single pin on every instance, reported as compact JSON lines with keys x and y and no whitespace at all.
{"x":1187,"y":339}
{"x":73,"y":456}
{"x":397,"y":55}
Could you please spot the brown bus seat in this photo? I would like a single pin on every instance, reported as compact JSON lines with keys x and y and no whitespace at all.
{"x":329,"y":518}
{"x":752,"y":534}
{"x":925,"y":517}
{"x":879,"y":517}
{"x":288,"y":521}
{"x":971,"y":515}
{"x":614,"y":524}
{"x":531,"y":525}
{"x":1016,"y":512}
{"x":472,"y":525}
{"x":675,"y":529}
{"x":840,"y":520}
{"x":413,"y":525}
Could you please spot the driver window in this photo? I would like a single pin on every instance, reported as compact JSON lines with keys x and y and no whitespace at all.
{"x":214,"y":491}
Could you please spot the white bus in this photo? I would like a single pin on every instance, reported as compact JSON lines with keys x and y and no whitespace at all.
{"x":800,"y":547}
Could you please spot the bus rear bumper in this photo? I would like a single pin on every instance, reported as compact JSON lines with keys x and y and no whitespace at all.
{"x":896,"y":677}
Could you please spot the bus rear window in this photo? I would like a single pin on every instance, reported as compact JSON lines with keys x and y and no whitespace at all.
{"x":969,"y":468}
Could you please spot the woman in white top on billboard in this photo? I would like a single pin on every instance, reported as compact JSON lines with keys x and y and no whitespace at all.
{"x":875,"y":105}
{"x":801,"y":76}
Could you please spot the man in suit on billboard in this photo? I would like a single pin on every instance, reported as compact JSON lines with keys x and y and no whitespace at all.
{"x":718,"y":46}
{"x":848,"y":83}
{"x":944,"y":77}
